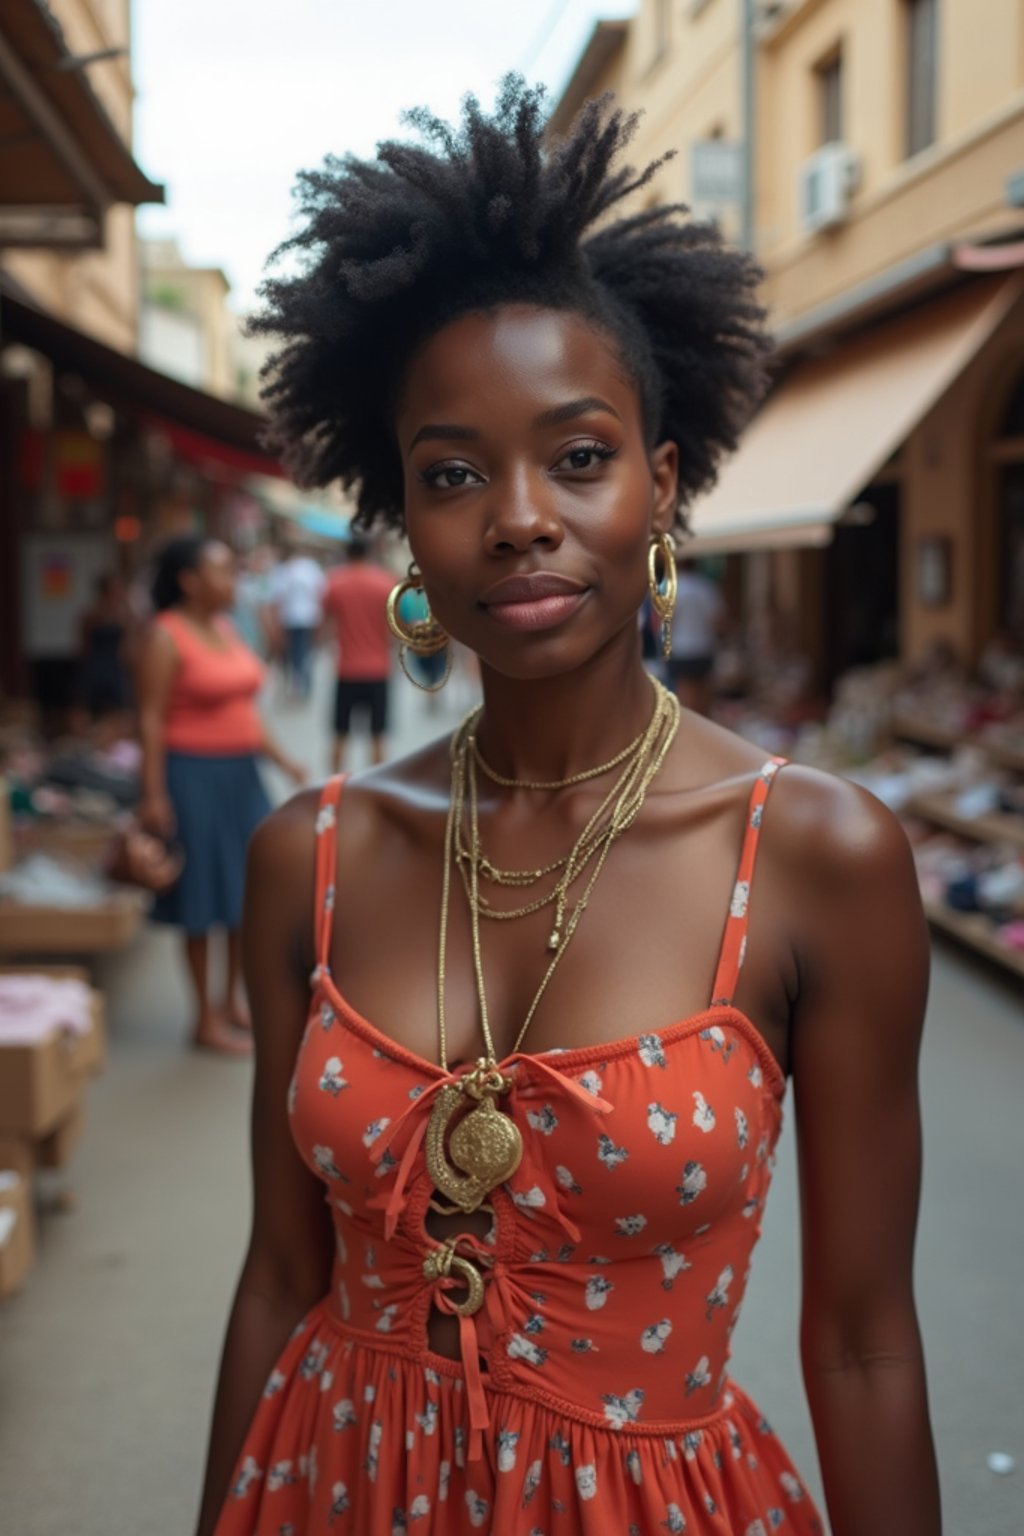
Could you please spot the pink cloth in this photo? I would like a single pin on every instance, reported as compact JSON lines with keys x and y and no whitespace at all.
{"x":32,"y":1008}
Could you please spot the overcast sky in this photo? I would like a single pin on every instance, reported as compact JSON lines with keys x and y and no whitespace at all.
{"x":234,"y":97}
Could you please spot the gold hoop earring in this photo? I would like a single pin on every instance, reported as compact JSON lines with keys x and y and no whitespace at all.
{"x":423,"y":637}
{"x":663,"y":587}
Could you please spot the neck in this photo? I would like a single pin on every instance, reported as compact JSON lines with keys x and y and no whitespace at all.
{"x":197,"y":614}
{"x":554,"y":727}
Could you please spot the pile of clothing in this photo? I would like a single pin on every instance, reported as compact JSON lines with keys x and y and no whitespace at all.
{"x":34,"y":1007}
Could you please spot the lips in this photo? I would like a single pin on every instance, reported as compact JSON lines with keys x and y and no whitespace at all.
{"x":536,"y":601}
{"x":531,"y":588}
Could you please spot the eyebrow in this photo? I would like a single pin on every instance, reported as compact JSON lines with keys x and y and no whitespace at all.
{"x":448,"y":431}
{"x":573,"y":408}
{"x":444,"y":431}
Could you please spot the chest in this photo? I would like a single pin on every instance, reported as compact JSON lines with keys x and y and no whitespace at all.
{"x":644,"y":954}
{"x":210,"y":675}
{"x":674,"y":1130}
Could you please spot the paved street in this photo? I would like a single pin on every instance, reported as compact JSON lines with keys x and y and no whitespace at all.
{"x":107,"y":1360}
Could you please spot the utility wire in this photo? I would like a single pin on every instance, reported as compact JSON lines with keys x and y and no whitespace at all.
{"x":544,"y":35}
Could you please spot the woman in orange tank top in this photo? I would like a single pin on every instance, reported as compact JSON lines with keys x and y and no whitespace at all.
{"x":202,"y":737}
{"x":526,"y":1002}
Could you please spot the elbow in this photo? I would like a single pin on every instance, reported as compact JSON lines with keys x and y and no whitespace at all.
{"x":863,"y":1340}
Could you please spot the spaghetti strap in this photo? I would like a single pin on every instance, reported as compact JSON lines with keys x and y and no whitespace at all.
{"x":326,"y":863}
{"x":734,"y":938}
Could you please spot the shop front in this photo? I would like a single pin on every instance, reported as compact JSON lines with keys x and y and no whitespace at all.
{"x":102,"y":458}
{"x":878,"y":495}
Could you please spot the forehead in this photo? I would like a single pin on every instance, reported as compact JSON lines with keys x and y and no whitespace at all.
{"x":514,"y":360}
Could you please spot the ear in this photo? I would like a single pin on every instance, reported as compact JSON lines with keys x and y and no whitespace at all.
{"x":664,"y":462}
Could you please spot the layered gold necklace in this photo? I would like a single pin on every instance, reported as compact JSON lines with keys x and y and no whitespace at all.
{"x":484,"y":1147}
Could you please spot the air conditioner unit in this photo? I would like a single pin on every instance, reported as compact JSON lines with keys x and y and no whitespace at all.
{"x":827,"y":182}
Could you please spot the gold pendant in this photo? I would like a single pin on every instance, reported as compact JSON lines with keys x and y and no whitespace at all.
{"x":485,"y":1146}
{"x":445,"y":1261}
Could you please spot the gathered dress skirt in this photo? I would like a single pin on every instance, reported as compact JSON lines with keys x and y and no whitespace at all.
{"x":218,"y":803}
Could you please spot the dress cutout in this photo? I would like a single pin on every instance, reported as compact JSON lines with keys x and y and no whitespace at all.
{"x":592,"y":1397}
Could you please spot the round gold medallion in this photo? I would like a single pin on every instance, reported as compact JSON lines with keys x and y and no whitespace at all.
{"x":484,"y":1149}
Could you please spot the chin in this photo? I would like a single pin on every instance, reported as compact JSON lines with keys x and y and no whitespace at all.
{"x":539,"y":660}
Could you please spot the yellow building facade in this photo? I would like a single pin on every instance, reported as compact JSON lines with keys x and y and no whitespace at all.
{"x":886,"y":208}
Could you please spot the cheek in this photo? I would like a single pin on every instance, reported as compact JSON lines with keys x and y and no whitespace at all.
{"x":618,"y":531}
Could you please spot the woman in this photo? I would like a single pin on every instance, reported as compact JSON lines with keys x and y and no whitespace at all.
{"x":201,"y":740}
{"x":500,"y":1296}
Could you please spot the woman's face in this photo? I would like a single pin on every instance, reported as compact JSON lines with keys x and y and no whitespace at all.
{"x":530,"y":493}
{"x":212,"y":584}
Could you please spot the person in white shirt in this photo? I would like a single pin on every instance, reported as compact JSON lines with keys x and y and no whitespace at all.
{"x":298,"y":589}
{"x":696,"y":629}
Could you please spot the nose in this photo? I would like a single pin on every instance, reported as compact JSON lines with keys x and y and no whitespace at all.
{"x":522,"y":513}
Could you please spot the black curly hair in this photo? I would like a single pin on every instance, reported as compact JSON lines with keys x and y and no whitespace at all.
{"x":175,"y":558}
{"x":485,"y":214}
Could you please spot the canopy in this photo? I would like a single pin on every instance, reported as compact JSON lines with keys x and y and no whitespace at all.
{"x":202,"y":426}
{"x":64,"y":161}
{"x":834,"y":422}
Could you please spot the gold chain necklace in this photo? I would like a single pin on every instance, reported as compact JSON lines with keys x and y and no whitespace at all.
{"x":571,"y":863}
{"x":574,"y":778}
{"x":585,"y":847}
{"x":485,"y":1147}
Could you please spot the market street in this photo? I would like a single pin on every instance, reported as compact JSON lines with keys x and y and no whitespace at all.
{"x":109,"y":1356}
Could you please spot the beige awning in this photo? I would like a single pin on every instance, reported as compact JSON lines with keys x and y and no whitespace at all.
{"x":835,"y":421}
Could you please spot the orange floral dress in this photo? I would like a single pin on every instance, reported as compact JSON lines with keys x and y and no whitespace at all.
{"x":592,"y":1397}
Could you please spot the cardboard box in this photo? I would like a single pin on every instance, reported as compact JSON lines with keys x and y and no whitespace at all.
{"x":86,"y":842}
{"x":54,"y":1151}
{"x":93,"y":1056}
{"x":17,"y":1231}
{"x":107,"y":926}
{"x":42,"y":1084}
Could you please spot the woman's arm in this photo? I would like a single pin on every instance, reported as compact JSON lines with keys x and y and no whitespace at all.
{"x":296,"y":771}
{"x":288,"y":1264}
{"x":863,"y":955}
{"x":158,"y":663}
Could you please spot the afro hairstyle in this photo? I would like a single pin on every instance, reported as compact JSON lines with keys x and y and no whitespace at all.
{"x":489,"y":213}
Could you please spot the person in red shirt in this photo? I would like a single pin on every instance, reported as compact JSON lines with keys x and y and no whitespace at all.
{"x":355,"y":602}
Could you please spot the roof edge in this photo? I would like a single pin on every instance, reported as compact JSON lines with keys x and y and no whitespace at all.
{"x":605,"y":41}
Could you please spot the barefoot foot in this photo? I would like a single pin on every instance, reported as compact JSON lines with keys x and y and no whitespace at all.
{"x":237,"y":1015}
{"x":214,"y":1034}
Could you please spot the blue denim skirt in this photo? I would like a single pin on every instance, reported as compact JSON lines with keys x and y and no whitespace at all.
{"x":218,"y":803}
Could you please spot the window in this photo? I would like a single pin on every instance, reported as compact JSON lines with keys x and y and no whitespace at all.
{"x":922,"y":40}
{"x":830,"y":98}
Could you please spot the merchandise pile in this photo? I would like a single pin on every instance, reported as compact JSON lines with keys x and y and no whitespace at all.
{"x":945,"y":751}
{"x":65,"y":831}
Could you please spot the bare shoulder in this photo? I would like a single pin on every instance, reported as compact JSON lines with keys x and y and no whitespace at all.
{"x":828,"y":829}
{"x":285,"y":842}
{"x":846,"y":875}
{"x":397,"y":795}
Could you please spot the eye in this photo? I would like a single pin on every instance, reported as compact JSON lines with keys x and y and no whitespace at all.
{"x":449,"y":477}
{"x":583,"y":456}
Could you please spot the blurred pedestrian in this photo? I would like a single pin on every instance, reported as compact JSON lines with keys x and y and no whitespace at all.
{"x":298,"y":590}
{"x":696,"y":630}
{"x":355,"y":604}
{"x":107,"y":633}
{"x":252,"y":615}
{"x":201,"y":788}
